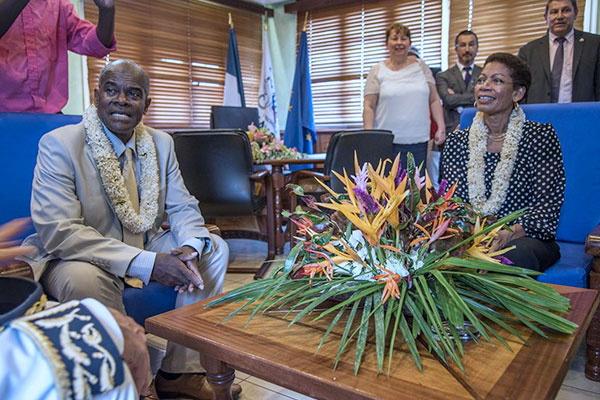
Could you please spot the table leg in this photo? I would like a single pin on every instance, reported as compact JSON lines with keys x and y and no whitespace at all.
{"x":220,"y":377}
{"x":278,"y":184}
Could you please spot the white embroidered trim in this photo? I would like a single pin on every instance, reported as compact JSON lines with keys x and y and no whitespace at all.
{"x":476,"y":164}
{"x":112,"y":178}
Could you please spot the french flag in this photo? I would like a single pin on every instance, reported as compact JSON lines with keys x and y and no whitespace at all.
{"x":234,"y":89}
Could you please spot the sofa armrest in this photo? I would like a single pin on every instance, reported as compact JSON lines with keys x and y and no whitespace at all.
{"x":592,"y":247}
{"x":592,"y":367}
{"x":17,"y":268}
{"x":259,"y":176}
{"x":592,"y":243}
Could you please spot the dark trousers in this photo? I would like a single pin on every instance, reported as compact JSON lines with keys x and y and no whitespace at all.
{"x":533,"y":253}
{"x":418,"y":150}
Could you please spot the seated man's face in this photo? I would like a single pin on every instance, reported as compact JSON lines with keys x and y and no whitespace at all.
{"x":121,"y":100}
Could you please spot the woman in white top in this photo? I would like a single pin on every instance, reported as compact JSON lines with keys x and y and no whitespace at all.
{"x":398,"y":95}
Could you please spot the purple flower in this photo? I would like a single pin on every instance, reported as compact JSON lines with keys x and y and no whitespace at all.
{"x":368,"y":203}
{"x":442,"y":187}
{"x":400,"y":177}
{"x":504,"y":260}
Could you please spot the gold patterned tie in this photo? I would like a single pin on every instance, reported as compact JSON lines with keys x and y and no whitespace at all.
{"x":130,"y":238}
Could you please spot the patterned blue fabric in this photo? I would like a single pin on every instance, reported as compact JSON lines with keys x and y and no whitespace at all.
{"x":83,"y":358}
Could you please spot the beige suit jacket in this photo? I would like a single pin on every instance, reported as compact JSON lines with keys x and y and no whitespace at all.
{"x":73,"y":217}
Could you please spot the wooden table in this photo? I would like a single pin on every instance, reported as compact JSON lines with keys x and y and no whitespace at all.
{"x":278,"y":184}
{"x":270,"y":350}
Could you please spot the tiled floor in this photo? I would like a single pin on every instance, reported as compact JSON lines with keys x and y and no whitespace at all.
{"x":243,"y":252}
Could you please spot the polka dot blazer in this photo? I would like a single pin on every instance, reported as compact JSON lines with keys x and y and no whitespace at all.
{"x":537,"y":182}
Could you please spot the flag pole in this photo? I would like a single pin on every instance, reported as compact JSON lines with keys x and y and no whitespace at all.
{"x":265,"y":23}
{"x":230,"y":21}
{"x":305,"y":21}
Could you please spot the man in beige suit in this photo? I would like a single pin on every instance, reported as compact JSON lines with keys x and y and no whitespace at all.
{"x":100,"y":191}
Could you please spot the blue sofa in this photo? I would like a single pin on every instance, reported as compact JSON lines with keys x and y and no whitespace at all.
{"x":21,"y":133}
{"x":578,"y":234}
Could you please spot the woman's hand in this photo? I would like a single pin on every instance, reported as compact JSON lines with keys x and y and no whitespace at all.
{"x":440,"y":136}
{"x":505,"y":236}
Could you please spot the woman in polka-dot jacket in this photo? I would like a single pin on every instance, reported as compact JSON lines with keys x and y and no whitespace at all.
{"x":504,"y":163}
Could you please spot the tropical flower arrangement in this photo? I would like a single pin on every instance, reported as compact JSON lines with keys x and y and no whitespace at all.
{"x":266,"y":147}
{"x":406,"y":261}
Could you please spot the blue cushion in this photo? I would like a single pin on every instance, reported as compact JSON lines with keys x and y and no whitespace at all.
{"x":21,"y":133}
{"x":573,"y":268}
{"x":151,"y":300}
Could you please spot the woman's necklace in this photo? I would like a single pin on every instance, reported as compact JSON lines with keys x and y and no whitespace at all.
{"x":497,"y":138}
{"x":478,"y":138}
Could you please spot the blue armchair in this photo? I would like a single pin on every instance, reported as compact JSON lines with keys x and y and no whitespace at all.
{"x":20,"y":135}
{"x":578,"y":233}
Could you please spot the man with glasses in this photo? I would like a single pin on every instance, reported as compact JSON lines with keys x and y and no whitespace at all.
{"x":564,"y":63}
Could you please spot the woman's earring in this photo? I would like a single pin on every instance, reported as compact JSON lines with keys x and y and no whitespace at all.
{"x":516,"y":106}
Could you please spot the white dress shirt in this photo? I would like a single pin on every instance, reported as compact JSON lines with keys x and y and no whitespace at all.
{"x":566,"y":78}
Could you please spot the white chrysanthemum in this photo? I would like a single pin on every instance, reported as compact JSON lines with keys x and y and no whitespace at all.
{"x":396,"y":265}
{"x":416,"y":261}
{"x":357,"y":270}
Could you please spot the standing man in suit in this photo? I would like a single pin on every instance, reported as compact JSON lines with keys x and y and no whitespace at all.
{"x":564,"y":63}
{"x":456,"y":84}
{"x":456,"y":89}
{"x":100,"y":191}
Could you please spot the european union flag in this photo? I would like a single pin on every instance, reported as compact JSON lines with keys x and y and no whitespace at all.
{"x":300,"y":129}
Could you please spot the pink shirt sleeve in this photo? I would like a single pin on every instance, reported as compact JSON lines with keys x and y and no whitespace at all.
{"x":81,"y":34}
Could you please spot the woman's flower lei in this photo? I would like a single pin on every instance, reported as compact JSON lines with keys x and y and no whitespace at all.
{"x":476,"y":164}
{"x":112,"y":179}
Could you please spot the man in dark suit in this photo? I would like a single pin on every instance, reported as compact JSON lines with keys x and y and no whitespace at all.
{"x":456,"y":85}
{"x":576,"y":75}
{"x":456,"y":89}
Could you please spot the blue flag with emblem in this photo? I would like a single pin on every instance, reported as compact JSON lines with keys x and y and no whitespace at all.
{"x":300,"y":129}
{"x":234,"y":89}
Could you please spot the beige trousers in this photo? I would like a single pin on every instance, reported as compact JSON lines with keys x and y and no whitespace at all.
{"x":76,"y":280}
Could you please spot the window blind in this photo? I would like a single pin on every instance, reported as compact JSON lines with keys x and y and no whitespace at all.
{"x":500,"y":25}
{"x":345,"y":42}
{"x":182,"y":44}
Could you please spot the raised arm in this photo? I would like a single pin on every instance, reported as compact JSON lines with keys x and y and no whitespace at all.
{"x":106,"y":21}
{"x":9,"y":11}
